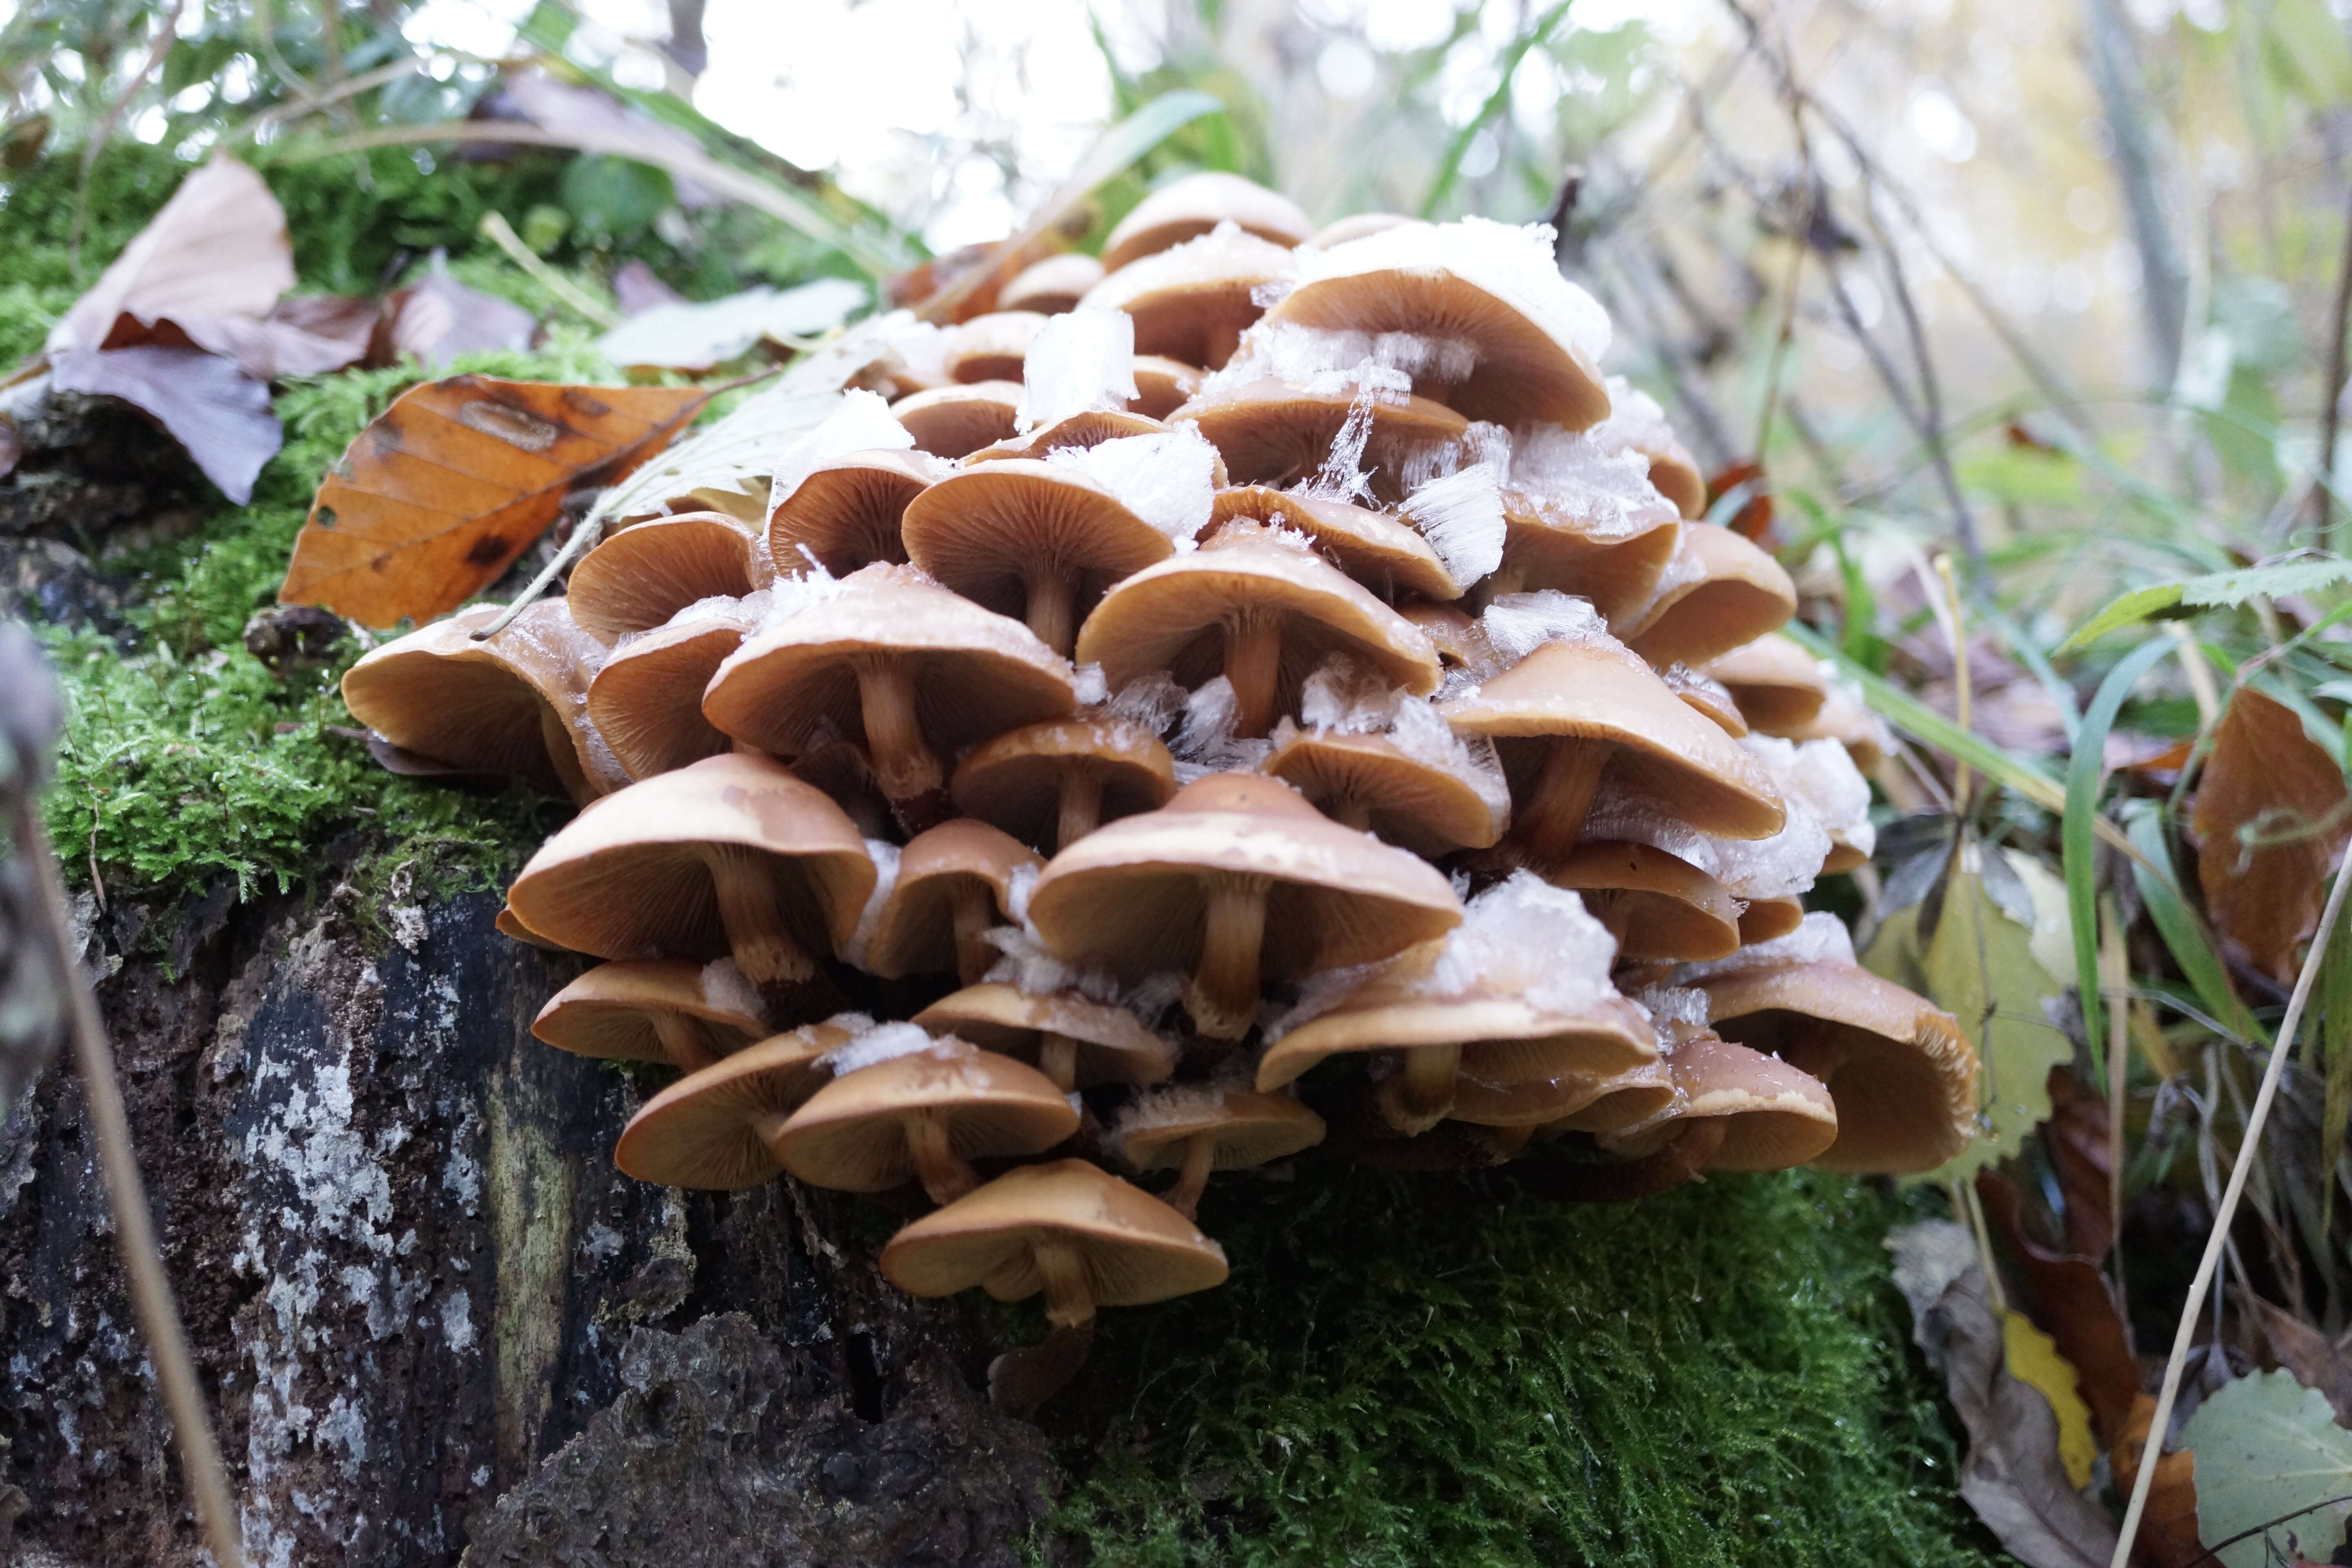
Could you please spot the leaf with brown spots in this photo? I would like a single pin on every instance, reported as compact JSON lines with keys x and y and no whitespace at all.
{"x":438,"y":496}
{"x":2271,"y":813}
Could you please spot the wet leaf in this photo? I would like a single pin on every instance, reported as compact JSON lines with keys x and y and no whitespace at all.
{"x":2034,"y":1360}
{"x":2072,"y":1301}
{"x":684,"y":336}
{"x":2267,"y":1447}
{"x":2271,"y":814}
{"x":217,"y":249}
{"x":219,"y":414}
{"x":438,"y":496}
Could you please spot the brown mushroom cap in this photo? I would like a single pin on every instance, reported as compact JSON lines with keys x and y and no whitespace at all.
{"x":1591,"y":691}
{"x":1707,"y":696}
{"x":635,"y":580}
{"x":1263,"y":613}
{"x":710,"y":1129}
{"x":1052,"y":286}
{"x":954,"y":885}
{"x":925,"y":1114}
{"x":1566,"y":1103}
{"x":1774,"y":1116}
{"x":845,"y":513}
{"x":1633,"y":1096}
{"x":1163,"y":386}
{"x":1902,"y":1074}
{"x":1193,"y":302}
{"x":1719,"y":593}
{"x":956,"y":421}
{"x":1547,"y":545}
{"x":1087,"y":427}
{"x":1233,"y":877}
{"x":513,"y":704}
{"x":1195,"y":205}
{"x":1675,"y":473}
{"x":651,"y":1010}
{"x":1637,"y":424}
{"x":1460,"y":642}
{"x":1041,"y":780}
{"x":731,"y":854}
{"x":1769,"y":920}
{"x":1356,"y":226}
{"x":1777,"y":686}
{"x":1388,"y":557}
{"x":1109,"y":1044}
{"x":1861,"y":732}
{"x":1371,"y":782}
{"x":991,"y":347}
{"x":509,"y":925}
{"x":1271,"y":433}
{"x":1029,"y":539}
{"x":647,"y":700}
{"x":1528,"y":329}
{"x":1655,"y":904}
{"x":1085,"y":1237}
{"x":1201,"y":1128}
{"x":895,"y":658}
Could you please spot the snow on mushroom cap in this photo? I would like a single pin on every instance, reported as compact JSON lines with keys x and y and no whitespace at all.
{"x":1683,"y":1005}
{"x":1323,"y":360}
{"x":1634,"y":420}
{"x":1346,"y":696}
{"x":1515,"y":262}
{"x":1821,"y":774}
{"x":723,"y":986}
{"x":1029,"y":969}
{"x":1526,"y":932}
{"x":1605,"y":488}
{"x":1517,"y":624}
{"x":1206,"y":743}
{"x":1820,"y":938}
{"x":1167,"y":478}
{"x":888,"y":1042}
{"x":1079,"y":360}
{"x":885,"y":856}
{"x":1461,"y":516}
{"x":861,"y":422}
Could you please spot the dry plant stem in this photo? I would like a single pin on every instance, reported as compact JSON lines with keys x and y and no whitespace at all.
{"x":757,"y":936}
{"x":1222,"y":996}
{"x":1057,"y":1059}
{"x":975,"y":915}
{"x":134,"y":1225}
{"x":1081,"y":806}
{"x":1254,"y":665}
{"x":682,"y":1041}
{"x":1193,"y":1176}
{"x":501,"y":234}
{"x":2224,"y":1212}
{"x":1053,"y":610}
{"x":1962,"y":692}
{"x":1554,"y":819}
{"x":903,"y":762}
{"x":2339,"y":322}
{"x":946,"y":1176}
{"x":1069,"y":1298}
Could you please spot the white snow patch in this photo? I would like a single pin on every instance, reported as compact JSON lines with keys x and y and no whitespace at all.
{"x":1079,"y":360}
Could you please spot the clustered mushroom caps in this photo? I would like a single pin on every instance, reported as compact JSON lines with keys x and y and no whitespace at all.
{"x":1272,"y":687}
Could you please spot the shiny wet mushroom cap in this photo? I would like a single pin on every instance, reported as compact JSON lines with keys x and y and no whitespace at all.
{"x":646,"y":702}
{"x":845,"y":513}
{"x":1195,"y":205}
{"x":1052,"y":286}
{"x":1719,"y":591}
{"x":1074,"y":1040}
{"x":1200,"y":1128}
{"x":1050,"y":784}
{"x":956,"y":421}
{"x":1774,"y":1116}
{"x":712,"y":1128}
{"x":1163,"y":386}
{"x":1657,"y":905}
{"x":1778,"y":686}
{"x":636,"y":579}
{"x":954,"y":885}
{"x":1193,"y":302}
{"x":669,"y":1010}
{"x":1386,"y":555}
{"x":1273,"y":433}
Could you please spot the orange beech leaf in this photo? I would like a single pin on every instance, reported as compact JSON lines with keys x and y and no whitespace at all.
{"x":2271,"y":814}
{"x":438,"y":496}
{"x":1753,"y":520}
{"x":2167,"y":1530}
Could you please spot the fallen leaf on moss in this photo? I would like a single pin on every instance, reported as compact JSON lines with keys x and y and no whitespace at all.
{"x":2072,"y":1301}
{"x":689,"y":336}
{"x":2317,"y":1361}
{"x":220,"y":415}
{"x":2271,"y":814}
{"x":438,"y":496}
{"x":437,"y":318}
{"x":2034,"y":1361}
{"x":219,"y":248}
{"x":2269,"y":1448}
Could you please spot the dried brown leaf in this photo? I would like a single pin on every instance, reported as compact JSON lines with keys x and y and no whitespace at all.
{"x":438,"y":496}
{"x":220,"y":415}
{"x":2167,"y":1529}
{"x":439,"y":317}
{"x":2316,"y":1362}
{"x":217,"y":249}
{"x":2271,"y":815}
{"x":2075,"y":1307}
{"x":2081,"y":1155}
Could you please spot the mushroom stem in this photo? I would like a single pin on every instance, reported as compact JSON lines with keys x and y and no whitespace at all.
{"x":1222,"y":996}
{"x":1057,"y":1059}
{"x":903,"y":762}
{"x":757,"y":935}
{"x":1069,"y":1298}
{"x":1020,"y":1380}
{"x":946,"y":1176}
{"x":1421,"y":1095}
{"x":1553,"y":818}
{"x":683,"y":1041}
{"x":1053,"y":610}
{"x":1680,"y":1160}
{"x":1082,"y":793}
{"x":974,"y":910}
{"x":1254,"y":665}
{"x":1193,"y":1176}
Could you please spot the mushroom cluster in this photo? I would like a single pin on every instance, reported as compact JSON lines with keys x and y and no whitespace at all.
{"x":1265,"y":689}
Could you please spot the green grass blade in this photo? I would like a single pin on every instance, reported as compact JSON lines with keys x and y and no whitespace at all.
{"x":1449,"y":169}
{"x":2183,"y":933}
{"x":2078,"y":839}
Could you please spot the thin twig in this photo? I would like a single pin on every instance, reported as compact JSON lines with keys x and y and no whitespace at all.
{"x":501,"y":234}
{"x":2339,"y":322}
{"x":351,"y":88}
{"x":134,"y":1225}
{"x":1962,"y":692}
{"x":2247,"y":1146}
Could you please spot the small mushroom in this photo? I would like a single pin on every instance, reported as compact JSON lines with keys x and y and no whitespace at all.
{"x":1385,"y":555}
{"x":1770,"y":919}
{"x":1195,"y":205}
{"x":1234,"y":878}
{"x":1609,"y":545}
{"x":991,"y":347}
{"x":1052,"y":286}
{"x":1657,"y":905}
{"x":1709,"y":696}
{"x":1087,"y":428}
{"x":1193,"y":302}
{"x":1050,"y":784}
{"x":636,"y":579}
{"x":1777,"y":685}
{"x":646,"y":702}
{"x":1372,"y":783}
{"x":1862,"y":733}
{"x":654,"y":1010}
{"x":1580,"y":705}
{"x":1637,"y":424}
{"x":926,"y":1114}
{"x":954,"y":885}
{"x":955,"y":421}
{"x":1774,"y":1116}
{"x":712,"y":1128}
{"x":514,"y":704}
{"x":1512,"y":340}
{"x":729,"y":857}
{"x":1033,"y":539}
{"x":1163,"y":386}
{"x":1903,"y":1076}
{"x":1567,"y":1102}
{"x":1076,"y":1042}
{"x":507,"y":924}
{"x":1200,"y":1128}
{"x":896,"y":658}
{"x":845,"y":513}
{"x":1260,"y":612}
{"x":1273,"y":433}
{"x":1719,"y":593}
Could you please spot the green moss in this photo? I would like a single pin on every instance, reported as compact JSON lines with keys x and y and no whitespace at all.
{"x":1714,"y":1377}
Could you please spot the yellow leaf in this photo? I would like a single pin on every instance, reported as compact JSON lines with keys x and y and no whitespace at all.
{"x":2034,"y":1361}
